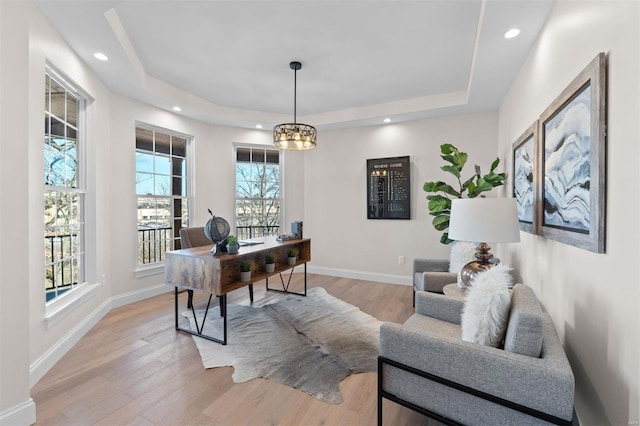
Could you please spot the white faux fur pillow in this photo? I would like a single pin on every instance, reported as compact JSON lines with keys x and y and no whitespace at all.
{"x":461,"y":254}
{"x":486,"y":309}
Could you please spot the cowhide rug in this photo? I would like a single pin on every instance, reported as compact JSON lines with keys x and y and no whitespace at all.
{"x":309,"y":343}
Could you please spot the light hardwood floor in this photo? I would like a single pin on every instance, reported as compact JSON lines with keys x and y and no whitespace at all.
{"x":133,"y":367}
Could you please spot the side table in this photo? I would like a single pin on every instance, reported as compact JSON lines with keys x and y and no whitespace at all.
{"x":454,"y":292}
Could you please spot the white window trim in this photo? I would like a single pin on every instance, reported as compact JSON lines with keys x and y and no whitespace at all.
{"x":234,"y":159}
{"x":156,"y":268}
{"x":61,"y":305}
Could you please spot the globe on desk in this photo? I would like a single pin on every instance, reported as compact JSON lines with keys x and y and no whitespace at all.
{"x":217,"y":230}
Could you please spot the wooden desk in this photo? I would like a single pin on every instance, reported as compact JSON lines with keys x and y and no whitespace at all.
{"x":197,"y":269}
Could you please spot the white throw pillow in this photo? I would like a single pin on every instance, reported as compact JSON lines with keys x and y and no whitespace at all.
{"x":486,"y":308}
{"x":461,"y":253}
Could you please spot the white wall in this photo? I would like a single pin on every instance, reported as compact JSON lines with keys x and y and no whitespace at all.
{"x":345,"y":242}
{"x":45,"y":44}
{"x":593,"y":298}
{"x":16,"y":405}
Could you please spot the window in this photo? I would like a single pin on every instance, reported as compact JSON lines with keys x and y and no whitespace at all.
{"x":161,"y":188}
{"x":257,"y":192}
{"x":64,"y":188}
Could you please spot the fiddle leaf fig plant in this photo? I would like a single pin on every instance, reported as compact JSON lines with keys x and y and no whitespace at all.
{"x":439,"y":202}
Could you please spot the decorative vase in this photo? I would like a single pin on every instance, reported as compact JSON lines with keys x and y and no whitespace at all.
{"x":245,"y":276}
{"x":270,"y":267}
{"x":232,"y":249}
{"x":291,"y":260}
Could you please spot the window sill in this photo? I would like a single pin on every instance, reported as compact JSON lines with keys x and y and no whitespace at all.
{"x":63,"y":305}
{"x":149,"y":270}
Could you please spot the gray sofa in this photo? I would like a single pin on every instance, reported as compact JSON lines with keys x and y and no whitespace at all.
{"x":425,"y":365}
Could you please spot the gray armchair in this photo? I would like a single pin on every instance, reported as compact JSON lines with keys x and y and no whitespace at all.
{"x":426,"y":366}
{"x":431,"y":275}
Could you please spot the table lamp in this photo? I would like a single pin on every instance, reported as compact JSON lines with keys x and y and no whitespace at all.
{"x":481,"y":220}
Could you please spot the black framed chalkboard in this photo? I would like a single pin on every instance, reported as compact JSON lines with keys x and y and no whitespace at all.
{"x":388,"y":188}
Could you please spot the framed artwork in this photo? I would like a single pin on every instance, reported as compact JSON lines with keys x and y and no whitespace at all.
{"x":525,"y":169}
{"x":573,"y":155}
{"x":389,"y":188}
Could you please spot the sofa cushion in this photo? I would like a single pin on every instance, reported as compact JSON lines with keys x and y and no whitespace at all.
{"x":420,"y":323}
{"x":486,"y":309}
{"x":525,"y":328}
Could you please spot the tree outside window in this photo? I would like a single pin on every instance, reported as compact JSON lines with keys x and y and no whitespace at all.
{"x":258,"y":199}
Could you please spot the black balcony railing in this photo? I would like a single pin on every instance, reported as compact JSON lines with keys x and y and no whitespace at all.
{"x":153,"y":243}
{"x":58,"y":247}
{"x":245,"y":232}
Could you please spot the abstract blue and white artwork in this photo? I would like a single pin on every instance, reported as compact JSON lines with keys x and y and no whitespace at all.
{"x":523,"y":189}
{"x":567,"y":165}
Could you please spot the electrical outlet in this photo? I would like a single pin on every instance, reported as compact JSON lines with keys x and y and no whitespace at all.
{"x":400,"y":260}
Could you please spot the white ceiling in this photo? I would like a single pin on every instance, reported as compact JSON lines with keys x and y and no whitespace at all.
{"x":227,"y":62}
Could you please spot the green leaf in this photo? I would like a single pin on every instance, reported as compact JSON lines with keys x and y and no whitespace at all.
{"x":429,"y":187}
{"x":447,"y":149}
{"x":441,"y":222}
{"x":445,"y":238}
{"x":483,"y":186}
{"x":451,"y":169}
{"x":448,"y":189}
{"x":460,"y":159}
{"x":471,"y":186}
{"x":494,"y":164}
{"x":438,"y":204}
{"x":466,"y":183}
{"x":448,"y":158}
{"x":495,"y":179}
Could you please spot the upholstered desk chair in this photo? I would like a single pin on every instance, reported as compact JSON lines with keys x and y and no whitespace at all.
{"x":195,"y":237}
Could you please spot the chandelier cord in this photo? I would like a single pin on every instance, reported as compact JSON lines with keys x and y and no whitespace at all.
{"x":295,"y":81}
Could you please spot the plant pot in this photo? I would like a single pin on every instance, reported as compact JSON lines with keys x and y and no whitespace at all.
{"x":291,"y":260}
{"x":232,"y":249}
{"x":245,"y":276}
{"x":270,"y":267}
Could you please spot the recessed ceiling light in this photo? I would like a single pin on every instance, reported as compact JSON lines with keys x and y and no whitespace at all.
{"x":176,"y":108}
{"x":258,"y":126}
{"x":387,"y":120}
{"x":101,"y":56}
{"x":513,"y":32}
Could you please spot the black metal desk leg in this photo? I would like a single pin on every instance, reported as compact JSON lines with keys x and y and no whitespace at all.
{"x":190,"y":299}
{"x":200,"y":326}
{"x":176,"y":305}
{"x":251,"y":292}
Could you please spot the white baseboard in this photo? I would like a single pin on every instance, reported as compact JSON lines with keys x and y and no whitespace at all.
{"x":138,"y":295}
{"x":40,"y":367}
{"x":360,"y":275}
{"x":23,"y":414}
